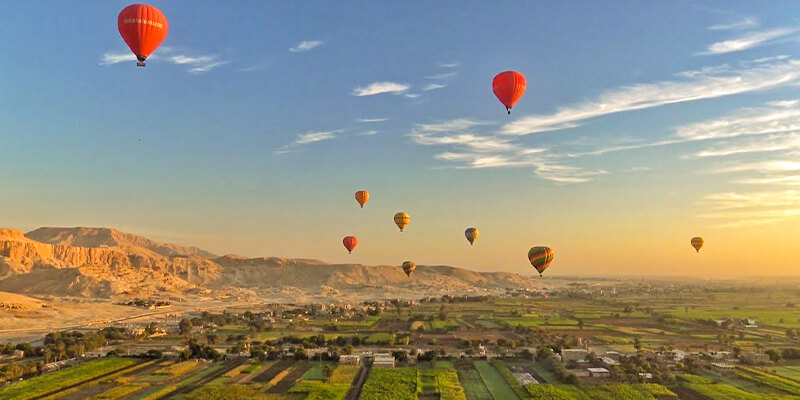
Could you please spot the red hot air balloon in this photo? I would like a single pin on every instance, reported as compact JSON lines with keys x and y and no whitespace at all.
{"x":350,"y":243}
{"x":509,"y":86}
{"x":143,"y":28}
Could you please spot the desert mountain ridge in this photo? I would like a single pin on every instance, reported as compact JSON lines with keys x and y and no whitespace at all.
{"x":107,"y":263}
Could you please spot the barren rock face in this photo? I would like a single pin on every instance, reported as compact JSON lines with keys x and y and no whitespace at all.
{"x":101,"y":262}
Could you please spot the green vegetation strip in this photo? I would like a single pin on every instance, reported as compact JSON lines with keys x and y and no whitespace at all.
{"x":474,"y":389}
{"x":119,"y":392}
{"x":394,"y":383}
{"x":317,"y":372}
{"x":774,"y":381}
{"x":510,"y":379}
{"x":321,"y":391}
{"x":494,"y":381}
{"x":725,"y":392}
{"x":47,"y":383}
{"x":344,"y":374}
{"x":232,"y":392}
{"x":645,"y":391}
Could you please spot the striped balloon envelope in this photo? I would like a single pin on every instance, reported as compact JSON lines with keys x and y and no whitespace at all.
{"x":697,"y":243}
{"x":540,"y":258}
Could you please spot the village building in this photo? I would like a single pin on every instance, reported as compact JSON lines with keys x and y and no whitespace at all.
{"x":383,"y":360}
{"x":598,"y":373}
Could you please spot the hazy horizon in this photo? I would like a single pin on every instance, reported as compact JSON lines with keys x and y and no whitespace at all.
{"x":250,"y":129}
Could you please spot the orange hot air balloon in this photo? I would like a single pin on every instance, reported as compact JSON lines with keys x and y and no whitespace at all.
{"x":697,"y":243}
{"x":362,"y":197}
{"x":409,"y":267}
{"x":350,"y":243}
{"x":509,"y":86}
{"x":401,"y":219}
{"x":143,"y":28}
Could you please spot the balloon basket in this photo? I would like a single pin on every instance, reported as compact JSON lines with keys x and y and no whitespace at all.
{"x":140,"y":64}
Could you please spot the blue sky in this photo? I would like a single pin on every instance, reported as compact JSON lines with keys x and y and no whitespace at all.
{"x":644,"y":123}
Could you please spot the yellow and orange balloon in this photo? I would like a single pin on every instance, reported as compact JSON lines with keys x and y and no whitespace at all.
{"x":409,"y":267}
{"x":401,"y":219}
{"x":697,"y":243}
{"x":362,"y":197}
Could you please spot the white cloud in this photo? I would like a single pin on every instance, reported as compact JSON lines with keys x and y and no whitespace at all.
{"x":372,"y":119}
{"x":745,"y":23}
{"x":758,"y":145}
{"x":369,"y":133}
{"x":471,"y":150}
{"x":763,"y":167}
{"x":747,"y":41}
{"x":442,"y":76}
{"x":790,"y":180}
{"x":450,"y":65}
{"x":206,"y":67}
{"x":307,"y":138}
{"x":753,"y":208}
{"x":433,"y":86}
{"x":311,"y":137}
{"x":196,"y":64}
{"x":305,"y":45}
{"x":411,"y":95}
{"x":110,"y":58}
{"x":697,"y":85}
{"x":381,"y":87}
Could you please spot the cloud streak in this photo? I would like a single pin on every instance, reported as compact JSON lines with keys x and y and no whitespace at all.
{"x":306,"y":45}
{"x":197,"y":64}
{"x":747,"y":41}
{"x":308,"y":138}
{"x":372,"y":119}
{"x":744,"y":23}
{"x":695,"y":85}
{"x":381,"y":88}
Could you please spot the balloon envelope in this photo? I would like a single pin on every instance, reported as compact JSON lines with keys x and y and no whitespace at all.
{"x":509,"y":86}
{"x":362,"y":197}
{"x":409,"y":267}
{"x":471,"y":234}
{"x":143,"y":28}
{"x":697,"y":243}
{"x":401,"y":219}
{"x":350,"y":243}
{"x":540,"y":258}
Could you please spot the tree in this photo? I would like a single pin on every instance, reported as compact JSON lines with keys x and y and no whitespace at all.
{"x":185,"y":326}
{"x":580,"y":324}
{"x":212,"y":338}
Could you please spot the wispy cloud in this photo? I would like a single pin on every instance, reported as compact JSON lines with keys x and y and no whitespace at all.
{"x":433,"y":86}
{"x":700,"y":84}
{"x":450,"y":65}
{"x":756,"y":145}
{"x":411,"y":95}
{"x":745,"y":23}
{"x":368,"y":133}
{"x":380,"y":88}
{"x":305,"y":45}
{"x":372,"y":119}
{"x":762,"y":167}
{"x":442,"y":76}
{"x":111,"y":58}
{"x":307,"y":138}
{"x":196,"y":64}
{"x":747,"y":41}
{"x":790,"y":180}
{"x":471,"y":149}
{"x":751,"y":209}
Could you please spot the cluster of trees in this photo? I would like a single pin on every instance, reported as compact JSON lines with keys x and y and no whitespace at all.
{"x":147,"y":303}
{"x":785,"y":354}
{"x":547,"y":357}
{"x":199,"y":350}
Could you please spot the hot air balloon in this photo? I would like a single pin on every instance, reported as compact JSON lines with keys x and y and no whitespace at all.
{"x":362,"y":197}
{"x":697,"y":243}
{"x":350,"y":243}
{"x":471,"y":234}
{"x":401,"y":219}
{"x":509,"y":86}
{"x":143,"y":28}
{"x":540,"y":258}
{"x":409,"y":267}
